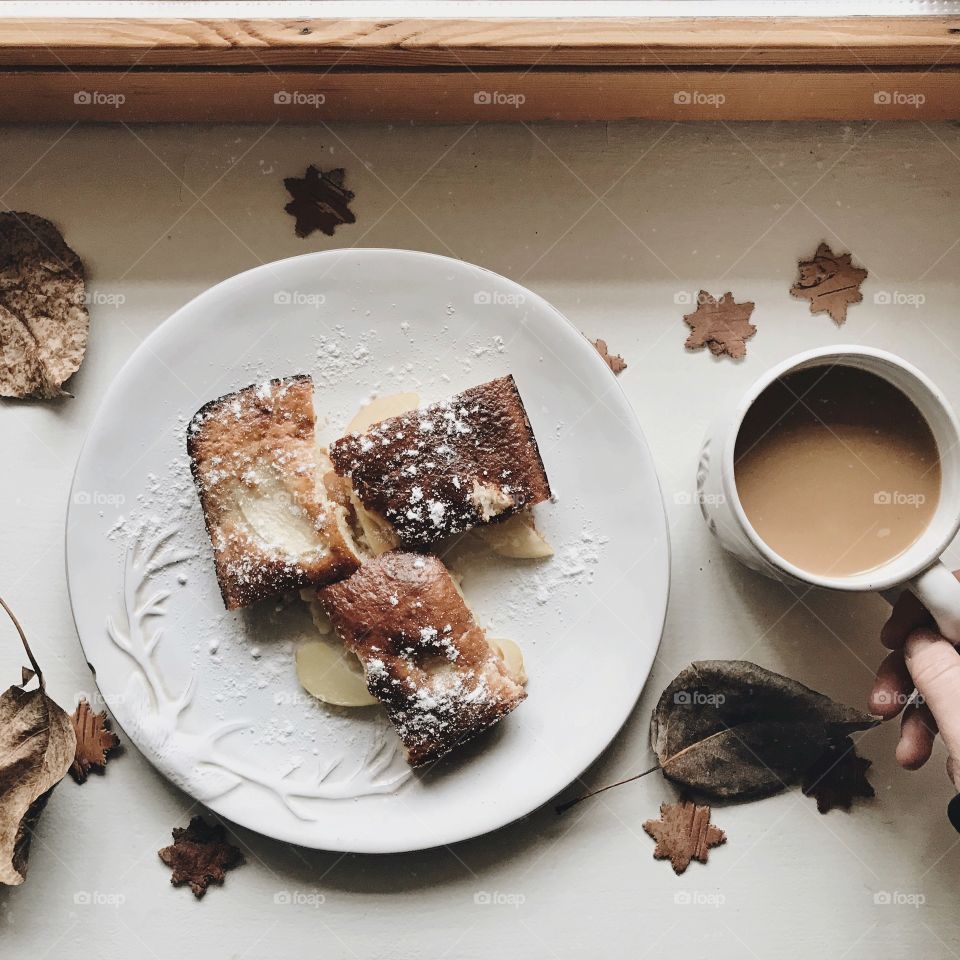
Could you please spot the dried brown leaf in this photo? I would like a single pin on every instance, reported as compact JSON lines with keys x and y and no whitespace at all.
{"x":734,"y":730}
{"x":838,"y":775}
{"x":683,"y":833}
{"x":830,"y":282}
{"x":320,"y":201}
{"x":200,"y":855}
{"x":614,"y":361}
{"x":37,"y":744}
{"x":94,"y":741}
{"x":722,"y":325}
{"x":44,"y":322}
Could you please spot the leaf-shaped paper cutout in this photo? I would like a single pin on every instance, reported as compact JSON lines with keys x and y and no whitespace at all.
{"x":683,"y":833}
{"x":830,"y":282}
{"x":200,"y":855}
{"x":837,"y":776}
{"x":320,"y":201}
{"x":94,"y":741}
{"x":722,"y":325}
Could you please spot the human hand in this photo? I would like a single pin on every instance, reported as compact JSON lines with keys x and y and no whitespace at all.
{"x":921,"y":659}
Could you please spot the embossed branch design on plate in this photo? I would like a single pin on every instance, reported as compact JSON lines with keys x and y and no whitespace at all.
{"x":195,"y":761}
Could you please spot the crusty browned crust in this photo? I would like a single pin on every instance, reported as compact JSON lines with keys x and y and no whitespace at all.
{"x":423,"y":654}
{"x":447,"y":467}
{"x":260,"y":442}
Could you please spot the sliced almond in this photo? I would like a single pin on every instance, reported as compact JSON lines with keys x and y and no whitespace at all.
{"x":391,"y":405}
{"x":331,"y":673}
{"x":512,"y":657}
{"x":516,"y":537}
{"x":378,"y":533}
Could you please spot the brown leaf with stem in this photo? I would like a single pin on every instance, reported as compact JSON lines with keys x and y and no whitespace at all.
{"x":320,"y":201}
{"x":733,"y":730}
{"x":614,"y":361}
{"x":721,"y":325}
{"x":200,"y":855}
{"x":37,"y":745}
{"x":95,"y":740}
{"x":683,"y":833}
{"x":830,"y":282}
{"x":839,"y":775}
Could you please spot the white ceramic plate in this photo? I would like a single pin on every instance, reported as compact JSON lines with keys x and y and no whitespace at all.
{"x":212,"y":699}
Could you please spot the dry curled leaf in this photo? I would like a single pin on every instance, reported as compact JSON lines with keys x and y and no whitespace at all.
{"x":37,"y":744}
{"x":614,"y":361}
{"x":95,"y":740}
{"x":830,"y":282}
{"x":722,"y":325}
{"x":734,"y":730}
{"x":320,"y":201}
{"x":683,"y":833}
{"x":200,"y":855}
{"x":44,"y":322}
{"x":837,"y":776}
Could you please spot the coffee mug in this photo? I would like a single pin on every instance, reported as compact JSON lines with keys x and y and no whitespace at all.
{"x":918,"y":568}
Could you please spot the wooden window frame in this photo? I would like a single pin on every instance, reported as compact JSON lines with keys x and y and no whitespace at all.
{"x":454,"y":71}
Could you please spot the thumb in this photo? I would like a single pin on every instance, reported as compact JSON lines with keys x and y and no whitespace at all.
{"x":934,"y":665}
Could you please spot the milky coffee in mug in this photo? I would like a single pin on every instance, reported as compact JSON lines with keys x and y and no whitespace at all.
{"x":837,"y":470}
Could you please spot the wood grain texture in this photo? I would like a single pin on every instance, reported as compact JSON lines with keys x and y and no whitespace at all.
{"x":463,"y":96}
{"x":858,"y":41}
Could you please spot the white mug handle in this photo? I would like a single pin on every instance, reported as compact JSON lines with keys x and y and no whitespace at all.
{"x":939,"y":591}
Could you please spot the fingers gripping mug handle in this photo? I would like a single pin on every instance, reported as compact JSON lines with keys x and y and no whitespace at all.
{"x":939,"y":591}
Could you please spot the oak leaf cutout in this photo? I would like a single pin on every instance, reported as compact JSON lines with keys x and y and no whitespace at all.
{"x":683,"y":833}
{"x":320,"y":201}
{"x":44,"y":321}
{"x":200,"y":855}
{"x":838,"y":776}
{"x":830,"y":282}
{"x":722,"y":325}
{"x":95,"y":740}
{"x":614,"y":361}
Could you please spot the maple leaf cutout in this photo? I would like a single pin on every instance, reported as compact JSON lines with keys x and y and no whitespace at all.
{"x":722,"y":325}
{"x":614,"y":361}
{"x":320,"y":201}
{"x":683,"y":833}
{"x":94,"y":740}
{"x":838,"y":776}
{"x":830,"y":282}
{"x":200,"y":855}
